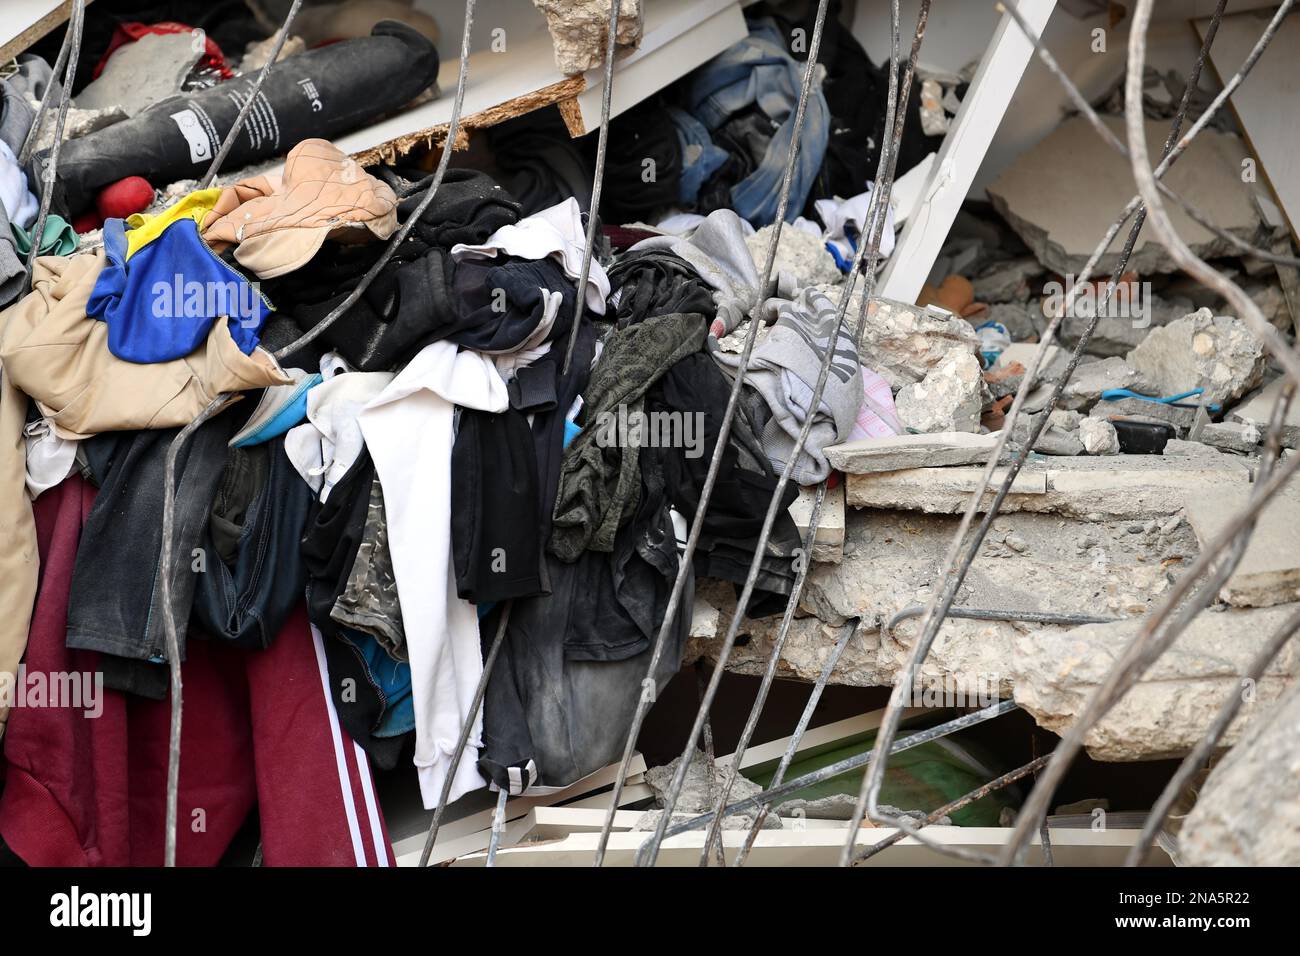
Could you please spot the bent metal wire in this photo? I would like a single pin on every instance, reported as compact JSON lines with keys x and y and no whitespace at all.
{"x":1158,"y":630}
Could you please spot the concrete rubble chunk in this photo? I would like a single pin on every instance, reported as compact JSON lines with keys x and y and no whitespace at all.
{"x":1178,"y":416}
{"x":579,"y":30}
{"x":1201,"y":350}
{"x":1119,"y":334}
{"x":1008,"y":281}
{"x":1259,"y":409}
{"x":1090,"y":379}
{"x":699,"y":792}
{"x":904,"y":342}
{"x":893,"y":560}
{"x":1269,"y":570}
{"x":1059,"y":437}
{"x":936,"y":449}
{"x":79,"y":123}
{"x":829,"y":543}
{"x":1055,"y":672}
{"x":1241,"y":437}
{"x":798,"y":254}
{"x":948,"y":399}
{"x":142,"y":73}
{"x":1022,"y":320}
{"x":1118,"y":486}
{"x":1098,"y":437}
{"x":1248,"y":810}
{"x":1063,"y":193}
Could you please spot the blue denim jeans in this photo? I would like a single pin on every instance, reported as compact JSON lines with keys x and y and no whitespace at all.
{"x":757,"y":70}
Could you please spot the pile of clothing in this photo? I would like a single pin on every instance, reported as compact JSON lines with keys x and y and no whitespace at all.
{"x":395,"y":482}
{"x":719,"y":138}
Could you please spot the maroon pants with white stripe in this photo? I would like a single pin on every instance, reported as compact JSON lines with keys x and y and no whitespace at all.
{"x":259,"y":730}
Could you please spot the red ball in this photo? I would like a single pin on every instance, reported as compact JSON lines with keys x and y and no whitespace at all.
{"x":124,"y":198}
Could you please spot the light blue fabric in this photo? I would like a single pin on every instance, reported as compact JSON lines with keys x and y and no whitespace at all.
{"x":160,"y":304}
{"x":700,"y":158}
{"x":758,"y":70}
{"x":393,"y":678}
{"x":292,"y":412}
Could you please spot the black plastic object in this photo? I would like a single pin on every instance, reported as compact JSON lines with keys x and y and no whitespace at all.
{"x":321,"y":93}
{"x":1142,"y":438}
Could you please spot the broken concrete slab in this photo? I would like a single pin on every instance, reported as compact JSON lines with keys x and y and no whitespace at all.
{"x":1065,"y":192}
{"x":1119,"y":334}
{"x":1201,"y":350}
{"x":1248,"y":810}
{"x":143,"y":73}
{"x":1118,"y":486}
{"x":948,"y":399}
{"x":1008,"y":281}
{"x":1098,"y":437}
{"x":1055,"y":672}
{"x":1090,"y":379}
{"x":828,"y":545}
{"x":937,"y":449}
{"x":1269,"y":570}
{"x":1239,"y":437}
{"x":904,"y":342}
{"x":1258,"y":410}
{"x":799,"y":254}
{"x":893,"y":560}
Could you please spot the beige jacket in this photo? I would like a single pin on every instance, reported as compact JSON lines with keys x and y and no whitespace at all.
{"x":52,"y":351}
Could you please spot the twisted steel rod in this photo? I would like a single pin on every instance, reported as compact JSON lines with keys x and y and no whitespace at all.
{"x":1151,"y":641}
{"x":706,"y":491}
{"x":167,"y":557}
{"x":244,"y":110}
{"x":598,"y":180}
{"x":670,"y":798}
{"x":71,"y":51}
{"x":942,"y":601}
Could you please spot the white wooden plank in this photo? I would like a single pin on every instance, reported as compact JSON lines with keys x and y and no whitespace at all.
{"x":821,"y":847}
{"x":963,"y":150}
{"x":26,"y":21}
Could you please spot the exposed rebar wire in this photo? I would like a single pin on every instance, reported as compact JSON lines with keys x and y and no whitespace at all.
{"x":1205,"y":746}
{"x":793,"y":746}
{"x":979,"y":793}
{"x":673,"y":606}
{"x":42,"y":110}
{"x":49,"y":169}
{"x":774,"y":507}
{"x":875,"y":220}
{"x":942,"y":601}
{"x":711,"y":838}
{"x":244,"y":110}
{"x":1152,"y":640}
{"x":840,"y":767}
{"x":995,"y":614}
{"x":167,"y":557}
{"x":1193,"y":761}
{"x":167,"y":562}
{"x":597,"y":180}
{"x":498,"y":826}
{"x":711,"y":764}
{"x":466,"y":728}
{"x":1146,"y":646}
